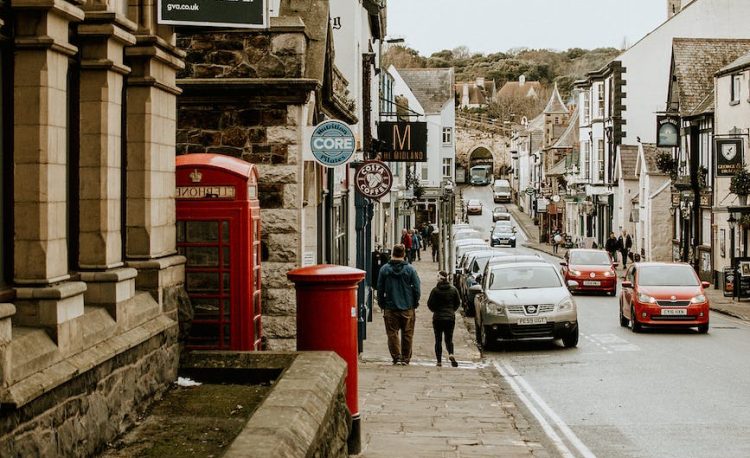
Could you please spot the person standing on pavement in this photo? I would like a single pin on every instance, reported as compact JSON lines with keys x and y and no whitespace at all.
{"x":406,"y":241}
{"x":416,"y":246}
{"x":435,"y":244}
{"x":626,"y":243}
{"x":556,"y":241}
{"x":443,"y":302}
{"x":398,"y":297}
{"x":611,"y":246}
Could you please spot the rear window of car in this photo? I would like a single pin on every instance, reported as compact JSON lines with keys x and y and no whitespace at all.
{"x":524,"y":277}
{"x":501,"y":209}
{"x":590,"y":258}
{"x":677,"y":275}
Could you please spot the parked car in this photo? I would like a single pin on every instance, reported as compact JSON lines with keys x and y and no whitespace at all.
{"x":474,"y":207}
{"x":471,"y":269}
{"x":503,"y":234}
{"x":594,"y":270}
{"x":525,"y":300}
{"x":467,"y":234}
{"x":663,"y":294}
{"x":474,"y":246}
{"x":500,"y":213}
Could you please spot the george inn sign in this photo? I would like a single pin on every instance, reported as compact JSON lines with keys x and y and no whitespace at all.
{"x":403,"y":141}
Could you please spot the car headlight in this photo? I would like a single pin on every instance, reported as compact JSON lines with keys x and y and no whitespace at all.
{"x":699,"y":299}
{"x":646,"y":298}
{"x":495,"y":308}
{"x":609,"y":274}
{"x":566,"y":305}
{"x":575,"y":273}
{"x":512,"y":237}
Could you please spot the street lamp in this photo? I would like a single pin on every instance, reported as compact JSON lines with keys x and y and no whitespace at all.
{"x":732,"y":225}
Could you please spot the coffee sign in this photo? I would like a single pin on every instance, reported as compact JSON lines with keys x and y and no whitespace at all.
{"x":373,"y":179}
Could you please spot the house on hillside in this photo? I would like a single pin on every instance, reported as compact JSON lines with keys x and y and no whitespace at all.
{"x":475,"y":94}
{"x":520,"y":88}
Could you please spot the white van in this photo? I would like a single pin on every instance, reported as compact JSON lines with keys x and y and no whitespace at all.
{"x":501,"y":191}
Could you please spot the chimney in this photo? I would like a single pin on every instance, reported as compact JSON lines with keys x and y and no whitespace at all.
{"x":480,"y":81}
{"x":522,"y":80}
{"x":673,"y":7}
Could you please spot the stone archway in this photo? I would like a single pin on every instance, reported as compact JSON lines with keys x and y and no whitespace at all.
{"x":481,"y":156}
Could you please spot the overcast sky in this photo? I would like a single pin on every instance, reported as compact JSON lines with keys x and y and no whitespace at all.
{"x":497,"y":25}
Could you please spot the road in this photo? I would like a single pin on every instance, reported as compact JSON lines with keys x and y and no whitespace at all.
{"x":619,"y":394}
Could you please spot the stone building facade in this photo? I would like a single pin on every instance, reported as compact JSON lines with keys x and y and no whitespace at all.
{"x":90,"y":277}
{"x":250,"y":95}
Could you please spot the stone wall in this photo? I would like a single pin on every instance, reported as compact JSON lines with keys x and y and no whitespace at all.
{"x":80,"y":416}
{"x":256,"y":117}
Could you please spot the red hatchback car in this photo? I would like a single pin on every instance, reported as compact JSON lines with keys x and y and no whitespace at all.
{"x":592,"y":269}
{"x":663,"y":294}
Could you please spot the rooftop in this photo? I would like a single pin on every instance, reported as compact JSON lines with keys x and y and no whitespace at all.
{"x":433,"y":87}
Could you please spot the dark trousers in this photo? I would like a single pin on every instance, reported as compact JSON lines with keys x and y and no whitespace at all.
{"x":415,"y":254}
{"x":399,"y":321}
{"x":443,"y":329}
{"x":624,"y":257}
{"x":435,"y":253}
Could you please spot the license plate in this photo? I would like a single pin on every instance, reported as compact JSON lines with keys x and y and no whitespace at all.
{"x":533,"y":320}
{"x":672,"y":312}
{"x":592,"y":283}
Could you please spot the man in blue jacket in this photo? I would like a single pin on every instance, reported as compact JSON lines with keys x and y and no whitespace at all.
{"x":398,"y":296}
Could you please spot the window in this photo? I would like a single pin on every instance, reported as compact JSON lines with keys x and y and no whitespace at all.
{"x":600,"y":102}
{"x":736,"y":88}
{"x":586,"y":160}
{"x":425,"y":172}
{"x":706,"y":227}
{"x":447,"y":167}
{"x":587,"y":108}
{"x":447,"y":136}
{"x":600,"y":160}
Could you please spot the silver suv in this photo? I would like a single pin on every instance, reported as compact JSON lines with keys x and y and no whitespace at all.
{"x":522,"y":300}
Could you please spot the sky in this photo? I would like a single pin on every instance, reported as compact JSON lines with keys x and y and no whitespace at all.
{"x":488,"y":26}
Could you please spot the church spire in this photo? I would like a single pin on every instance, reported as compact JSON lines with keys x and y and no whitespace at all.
{"x":555,"y":104}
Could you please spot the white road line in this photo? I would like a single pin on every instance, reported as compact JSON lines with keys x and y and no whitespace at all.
{"x":548,"y":429}
{"x":507,"y":371}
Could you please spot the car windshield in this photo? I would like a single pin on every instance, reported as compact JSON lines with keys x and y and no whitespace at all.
{"x":590,"y":258}
{"x":524,"y":277}
{"x":474,"y":203}
{"x":677,"y":275}
{"x":466,"y":235}
{"x":501,"y":210}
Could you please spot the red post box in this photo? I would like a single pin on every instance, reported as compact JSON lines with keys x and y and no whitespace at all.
{"x":327,"y":320}
{"x":218,"y":231}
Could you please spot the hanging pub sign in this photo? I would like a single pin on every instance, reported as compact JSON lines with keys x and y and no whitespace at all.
{"x":668,"y":131}
{"x":403,"y":141}
{"x":242,"y":14}
{"x":728,"y":156}
{"x":373,"y":179}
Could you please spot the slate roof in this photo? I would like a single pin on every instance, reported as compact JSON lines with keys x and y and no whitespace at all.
{"x":478,"y":94}
{"x":433,"y":87}
{"x":569,"y":138}
{"x":706,"y":106}
{"x":741,"y":63}
{"x":514,"y":88}
{"x":558,"y":169}
{"x":628,"y":160}
{"x":555,"y":104}
{"x":650,"y":152}
{"x":696,"y":60}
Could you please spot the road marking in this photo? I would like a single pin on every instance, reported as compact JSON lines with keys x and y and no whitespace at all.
{"x":512,"y":376}
{"x":612,"y":343}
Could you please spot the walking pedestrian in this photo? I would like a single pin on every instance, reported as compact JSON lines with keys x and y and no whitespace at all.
{"x":443,"y":302}
{"x":435,"y":244}
{"x":626,"y":243}
{"x":556,"y":241}
{"x":398,"y":297}
{"x":406,"y":241}
{"x":416,"y":246}
{"x":611,"y":246}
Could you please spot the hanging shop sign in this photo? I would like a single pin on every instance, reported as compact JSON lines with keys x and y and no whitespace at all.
{"x":403,"y":141}
{"x":373,"y":179}
{"x":332,"y":143}
{"x":728,"y":156}
{"x":668,"y":131}
{"x":243,"y":14}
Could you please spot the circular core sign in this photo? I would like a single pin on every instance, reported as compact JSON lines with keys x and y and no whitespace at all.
{"x":332,"y":143}
{"x":373,"y":179}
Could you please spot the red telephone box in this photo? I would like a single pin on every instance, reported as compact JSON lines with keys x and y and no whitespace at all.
{"x":218,"y":231}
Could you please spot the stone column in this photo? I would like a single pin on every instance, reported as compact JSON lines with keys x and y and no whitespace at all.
{"x":152,"y":122}
{"x":103,"y":36}
{"x":40,"y":150}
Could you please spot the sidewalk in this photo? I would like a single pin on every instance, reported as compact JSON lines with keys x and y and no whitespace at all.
{"x":421,"y":410}
{"x":719,"y":303}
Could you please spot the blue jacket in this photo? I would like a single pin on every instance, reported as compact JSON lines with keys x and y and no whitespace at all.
{"x":416,"y":243}
{"x":398,"y":286}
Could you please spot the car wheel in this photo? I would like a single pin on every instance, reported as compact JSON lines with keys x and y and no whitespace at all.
{"x":635,"y":326}
{"x":571,"y":340}
{"x":487,"y":338}
{"x":624,"y":322}
{"x":703,"y":329}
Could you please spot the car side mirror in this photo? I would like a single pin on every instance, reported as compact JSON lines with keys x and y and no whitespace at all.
{"x":705,"y":284}
{"x":563,"y":263}
{"x":572,"y":284}
{"x":476,"y":288}
{"x":627,"y":284}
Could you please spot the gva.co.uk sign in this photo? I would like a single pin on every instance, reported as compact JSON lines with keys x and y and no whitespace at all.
{"x":245,"y":14}
{"x":332,"y":143}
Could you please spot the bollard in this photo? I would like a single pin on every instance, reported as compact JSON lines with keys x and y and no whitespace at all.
{"x":327,"y":320}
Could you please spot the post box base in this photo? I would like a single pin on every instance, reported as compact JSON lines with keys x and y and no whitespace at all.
{"x":354,"y":441}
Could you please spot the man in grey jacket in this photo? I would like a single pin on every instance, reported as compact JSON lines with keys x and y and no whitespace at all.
{"x":398,"y":296}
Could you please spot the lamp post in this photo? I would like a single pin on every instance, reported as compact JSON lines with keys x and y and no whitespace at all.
{"x":732,"y":224}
